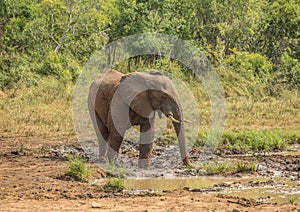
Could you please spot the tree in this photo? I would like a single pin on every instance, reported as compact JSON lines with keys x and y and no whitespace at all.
{"x":49,"y":37}
{"x":280,"y":29}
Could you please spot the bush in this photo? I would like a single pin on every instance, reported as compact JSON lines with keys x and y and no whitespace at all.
{"x":289,"y":70}
{"x":16,"y":69}
{"x":62,"y":66}
{"x":251,"y":65}
{"x":246,"y":74}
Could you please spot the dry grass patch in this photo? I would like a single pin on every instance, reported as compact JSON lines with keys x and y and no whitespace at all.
{"x":44,"y":110}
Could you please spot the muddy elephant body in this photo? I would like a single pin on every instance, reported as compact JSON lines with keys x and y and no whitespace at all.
{"x":118,"y":101}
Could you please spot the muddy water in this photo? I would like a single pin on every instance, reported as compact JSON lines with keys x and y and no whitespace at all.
{"x":179,"y":183}
{"x":279,"y":195}
{"x":276,"y":190}
{"x":277,"y":178}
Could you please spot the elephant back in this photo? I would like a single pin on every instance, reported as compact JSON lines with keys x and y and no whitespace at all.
{"x":101,"y":92}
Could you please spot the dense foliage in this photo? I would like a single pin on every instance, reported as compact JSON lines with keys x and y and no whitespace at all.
{"x":254,"y":39}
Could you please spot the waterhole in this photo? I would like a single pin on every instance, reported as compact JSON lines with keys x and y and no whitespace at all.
{"x":263,"y":189}
{"x":276,"y":180}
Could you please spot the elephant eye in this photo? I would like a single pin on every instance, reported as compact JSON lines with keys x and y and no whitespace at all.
{"x":163,"y":97}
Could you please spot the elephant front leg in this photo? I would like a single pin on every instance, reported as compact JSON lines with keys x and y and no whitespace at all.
{"x":115,"y":135}
{"x":146,"y":144}
{"x":114,"y":144}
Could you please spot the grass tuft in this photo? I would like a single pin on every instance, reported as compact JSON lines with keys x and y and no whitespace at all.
{"x":78,"y":169}
{"x":114,"y":185}
{"x":229,"y":168}
{"x":292,"y":201}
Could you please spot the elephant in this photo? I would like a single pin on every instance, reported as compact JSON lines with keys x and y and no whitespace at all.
{"x":117,"y":101}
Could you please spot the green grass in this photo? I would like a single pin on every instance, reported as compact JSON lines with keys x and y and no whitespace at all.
{"x":255,"y":140}
{"x":114,"y":185}
{"x":245,"y":167}
{"x":78,"y":169}
{"x":292,"y":201}
{"x":229,"y":168}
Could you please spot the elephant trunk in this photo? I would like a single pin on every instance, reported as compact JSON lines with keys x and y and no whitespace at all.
{"x":178,"y":124}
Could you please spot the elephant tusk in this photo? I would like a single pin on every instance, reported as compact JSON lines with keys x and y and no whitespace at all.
{"x":187,"y":121}
{"x":172,"y":119}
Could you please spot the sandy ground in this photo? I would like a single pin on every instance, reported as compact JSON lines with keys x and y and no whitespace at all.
{"x":175,"y":201}
{"x":32,"y":179}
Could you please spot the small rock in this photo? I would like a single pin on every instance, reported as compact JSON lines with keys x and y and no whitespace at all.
{"x":95,"y":205}
{"x":15,"y":152}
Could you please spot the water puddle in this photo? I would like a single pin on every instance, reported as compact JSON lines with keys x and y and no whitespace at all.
{"x":276,"y":190}
{"x":279,"y":195}
{"x":181,"y":183}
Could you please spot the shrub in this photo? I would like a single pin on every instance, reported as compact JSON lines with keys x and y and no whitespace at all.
{"x":289,"y":69}
{"x":62,"y":66}
{"x":251,"y":65}
{"x":15,"y":70}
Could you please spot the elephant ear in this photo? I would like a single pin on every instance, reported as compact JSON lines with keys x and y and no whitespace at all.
{"x":133,"y":90}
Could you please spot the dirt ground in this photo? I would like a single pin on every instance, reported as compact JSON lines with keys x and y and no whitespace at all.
{"x":33,"y":179}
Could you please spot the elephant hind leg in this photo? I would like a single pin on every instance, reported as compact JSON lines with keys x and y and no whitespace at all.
{"x":102,"y":135}
{"x":99,"y":126}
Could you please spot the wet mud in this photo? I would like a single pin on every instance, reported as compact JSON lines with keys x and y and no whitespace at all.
{"x":275,"y":181}
{"x":33,"y":178}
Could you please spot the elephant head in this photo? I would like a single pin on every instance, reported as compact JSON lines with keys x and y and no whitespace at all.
{"x":145,"y":93}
